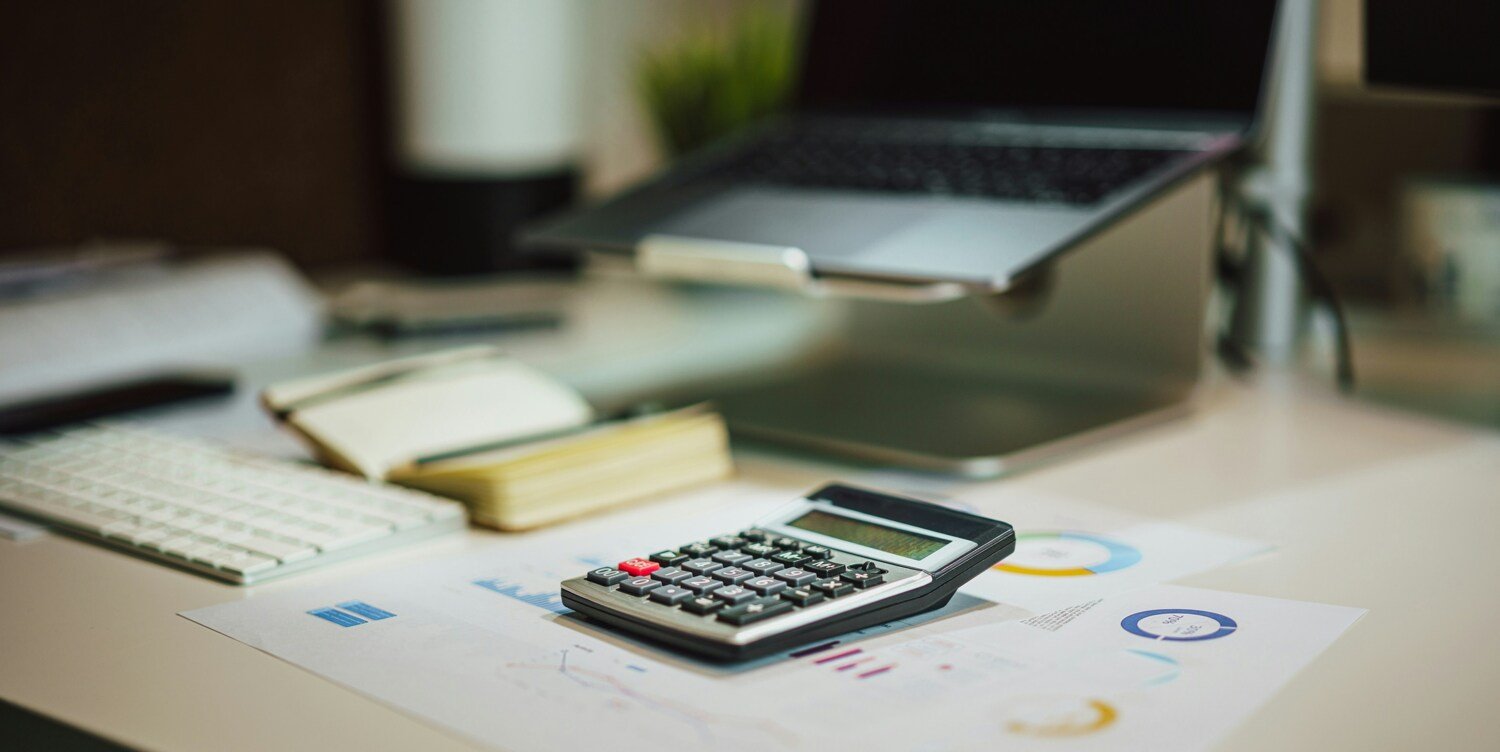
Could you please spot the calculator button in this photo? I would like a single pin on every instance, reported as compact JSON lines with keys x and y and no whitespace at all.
{"x":701,"y":566}
{"x":698,"y":550}
{"x":818,"y":552}
{"x":703,"y":604}
{"x":790,"y":558}
{"x":823,"y":568}
{"x":866,"y":566}
{"x":701,"y":584}
{"x":669,"y":558}
{"x":670,"y":595}
{"x":759,"y":549}
{"x":727,"y":542}
{"x":756,"y":610}
{"x":732,"y":558}
{"x":787,"y":544}
{"x":755,"y":535}
{"x":795,"y":577}
{"x":802,"y":596}
{"x":833,"y":588}
{"x":761,"y":566}
{"x":861,"y":578}
{"x":765,"y":585}
{"x":639,"y":585}
{"x":670,"y":575}
{"x":733,"y":594}
{"x":607,"y":576}
{"x":638,"y":567}
{"x":731,"y":575}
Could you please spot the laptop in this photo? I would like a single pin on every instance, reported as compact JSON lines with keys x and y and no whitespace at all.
{"x":960,"y":142}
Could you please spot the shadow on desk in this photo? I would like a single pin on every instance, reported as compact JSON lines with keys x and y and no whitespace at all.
{"x":27,"y":730}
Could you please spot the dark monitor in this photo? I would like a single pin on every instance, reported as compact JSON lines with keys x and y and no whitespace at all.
{"x":1204,"y":56}
{"x":1434,"y":44}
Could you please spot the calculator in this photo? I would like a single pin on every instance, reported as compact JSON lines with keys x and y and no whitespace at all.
{"x":840,"y":559}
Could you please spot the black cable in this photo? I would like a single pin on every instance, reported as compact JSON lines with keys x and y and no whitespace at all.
{"x":1319,"y":286}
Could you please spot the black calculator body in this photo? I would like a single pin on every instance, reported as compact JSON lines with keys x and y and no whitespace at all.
{"x":840,"y":559}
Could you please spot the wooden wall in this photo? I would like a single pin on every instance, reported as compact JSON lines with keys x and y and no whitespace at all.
{"x":196,"y":122}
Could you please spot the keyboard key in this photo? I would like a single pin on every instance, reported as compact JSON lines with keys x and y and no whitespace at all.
{"x":703,"y":604}
{"x":833,"y":588}
{"x":670,"y":595}
{"x":759,"y":549}
{"x":763,"y":608}
{"x":727,"y":542}
{"x":639,"y":585}
{"x":732,"y":575}
{"x":790,"y":558}
{"x":247,"y":564}
{"x":607,"y":576}
{"x":698,"y":550}
{"x":701,"y":566}
{"x":670,"y":575}
{"x":669,"y":558}
{"x":823,"y":568}
{"x":731,"y":558}
{"x":803,"y":596}
{"x":761,"y":566}
{"x":733,"y":594}
{"x":701,"y":584}
{"x":818,"y":552}
{"x":796,"y":577}
{"x":638,"y":567}
{"x":861,"y":578}
{"x":755,"y":535}
{"x":787,"y":544}
{"x":765,"y":585}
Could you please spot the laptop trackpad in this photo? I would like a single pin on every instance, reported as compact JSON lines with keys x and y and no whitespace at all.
{"x":822,"y":225}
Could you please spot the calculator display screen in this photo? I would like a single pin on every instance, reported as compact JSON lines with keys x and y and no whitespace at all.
{"x":911,"y":545}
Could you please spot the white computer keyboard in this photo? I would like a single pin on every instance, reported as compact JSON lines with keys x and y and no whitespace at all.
{"x":229,"y":515}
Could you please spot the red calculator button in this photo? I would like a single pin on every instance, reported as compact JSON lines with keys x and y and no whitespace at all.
{"x":639,"y":567}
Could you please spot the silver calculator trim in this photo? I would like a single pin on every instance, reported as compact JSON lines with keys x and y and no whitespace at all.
{"x":711,"y":628}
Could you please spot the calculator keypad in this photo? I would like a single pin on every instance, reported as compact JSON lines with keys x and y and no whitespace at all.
{"x":741,"y":578}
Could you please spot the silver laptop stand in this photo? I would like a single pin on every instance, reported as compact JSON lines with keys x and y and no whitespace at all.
{"x":1109,"y":336}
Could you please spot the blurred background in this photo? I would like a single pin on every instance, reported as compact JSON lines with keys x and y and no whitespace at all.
{"x":309,"y":128}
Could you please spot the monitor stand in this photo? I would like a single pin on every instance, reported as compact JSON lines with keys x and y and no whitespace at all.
{"x":1110,"y":337}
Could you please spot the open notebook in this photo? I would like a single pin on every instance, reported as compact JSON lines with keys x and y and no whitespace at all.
{"x":521,"y":448}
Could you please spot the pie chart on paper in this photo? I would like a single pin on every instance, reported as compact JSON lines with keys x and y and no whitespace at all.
{"x":1068,"y":554}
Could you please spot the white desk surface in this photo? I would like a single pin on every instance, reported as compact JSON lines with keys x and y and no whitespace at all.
{"x":1389,"y":511}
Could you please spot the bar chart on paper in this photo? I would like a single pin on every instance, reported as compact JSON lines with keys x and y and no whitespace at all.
{"x":536,"y":585}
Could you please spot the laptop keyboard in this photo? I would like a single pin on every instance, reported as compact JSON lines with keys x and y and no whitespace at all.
{"x":1053,"y":174}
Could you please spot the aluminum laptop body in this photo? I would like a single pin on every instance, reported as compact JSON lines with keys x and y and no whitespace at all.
{"x":962,"y":143}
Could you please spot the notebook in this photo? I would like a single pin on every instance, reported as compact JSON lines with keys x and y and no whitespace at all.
{"x":521,"y":448}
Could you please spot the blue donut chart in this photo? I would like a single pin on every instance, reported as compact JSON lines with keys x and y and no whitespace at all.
{"x":1132,"y":624}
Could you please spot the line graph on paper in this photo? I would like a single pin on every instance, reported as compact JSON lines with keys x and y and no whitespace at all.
{"x":611,"y":685}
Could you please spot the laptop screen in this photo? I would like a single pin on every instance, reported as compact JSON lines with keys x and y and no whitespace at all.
{"x":1203,"y":56}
